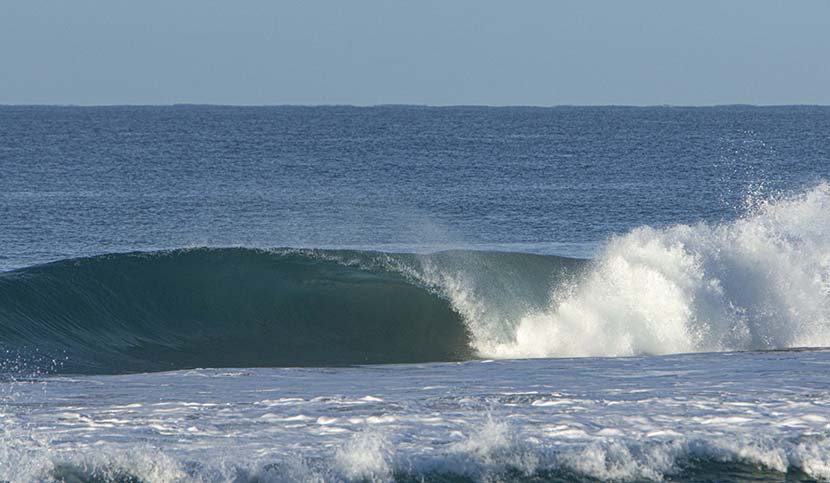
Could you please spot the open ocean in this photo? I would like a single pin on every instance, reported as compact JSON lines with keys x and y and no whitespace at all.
{"x":400,"y":293}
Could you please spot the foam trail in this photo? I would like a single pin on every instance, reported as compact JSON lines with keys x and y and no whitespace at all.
{"x":759,"y":282}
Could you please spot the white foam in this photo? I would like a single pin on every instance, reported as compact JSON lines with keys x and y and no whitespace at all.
{"x":365,"y":458}
{"x":759,"y":282}
{"x":618,"y":419}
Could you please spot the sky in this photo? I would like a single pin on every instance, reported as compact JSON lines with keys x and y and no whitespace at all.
{"x":449,"y":52}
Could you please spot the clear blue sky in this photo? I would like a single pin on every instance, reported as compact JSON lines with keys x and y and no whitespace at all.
{"x":527,"y":52}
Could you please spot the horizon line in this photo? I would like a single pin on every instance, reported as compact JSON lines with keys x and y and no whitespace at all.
{"x":409,"y":105}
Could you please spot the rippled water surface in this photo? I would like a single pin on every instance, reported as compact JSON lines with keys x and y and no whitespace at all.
{"x":396,"y":293}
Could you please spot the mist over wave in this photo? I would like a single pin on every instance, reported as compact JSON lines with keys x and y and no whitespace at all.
{"x":759,"y":282}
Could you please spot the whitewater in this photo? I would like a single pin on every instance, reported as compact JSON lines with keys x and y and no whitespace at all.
{"x":760,"y":282}
{"x":759,"y":416}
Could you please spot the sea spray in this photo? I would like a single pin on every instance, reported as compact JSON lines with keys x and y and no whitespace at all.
{"x":759,"y":282}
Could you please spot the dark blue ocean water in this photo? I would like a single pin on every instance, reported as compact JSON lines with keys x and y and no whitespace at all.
{"x":425,"y":329}
{"x":78,"y":181}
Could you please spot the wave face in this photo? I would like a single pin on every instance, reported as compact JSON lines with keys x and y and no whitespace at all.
{"x":759,"y":282}
{"x":223,"y":308}
{"x":237,"y":307}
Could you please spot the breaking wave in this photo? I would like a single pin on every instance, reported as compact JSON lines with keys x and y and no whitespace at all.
{"x":234,"y":307}
{"x":759,"y":282}
{"x":493,"y":452}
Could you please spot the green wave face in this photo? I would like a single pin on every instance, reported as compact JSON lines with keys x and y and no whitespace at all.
{"x":225,"y":308}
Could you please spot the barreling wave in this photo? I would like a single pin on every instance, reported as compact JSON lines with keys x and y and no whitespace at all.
{"x":759,"y":282}
{"x":222,"y":308}
{"x":234,"y":307}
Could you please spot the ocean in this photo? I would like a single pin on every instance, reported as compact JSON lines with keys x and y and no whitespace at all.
{"x":414,"y":294}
